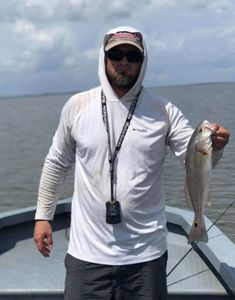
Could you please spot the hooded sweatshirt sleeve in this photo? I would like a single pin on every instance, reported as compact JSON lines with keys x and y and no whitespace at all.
{"x":60,"y":158}
{"x":179,"y":132}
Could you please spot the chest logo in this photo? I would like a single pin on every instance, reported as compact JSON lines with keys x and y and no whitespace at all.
{"x":139,"y":130}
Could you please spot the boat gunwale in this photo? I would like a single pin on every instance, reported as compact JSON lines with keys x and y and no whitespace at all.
{"x":215,"y":251}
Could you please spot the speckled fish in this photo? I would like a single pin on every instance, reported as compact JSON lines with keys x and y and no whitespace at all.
{"x":198,"y":165}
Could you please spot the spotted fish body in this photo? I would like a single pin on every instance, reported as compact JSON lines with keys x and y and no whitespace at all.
{"x":198,"y":165}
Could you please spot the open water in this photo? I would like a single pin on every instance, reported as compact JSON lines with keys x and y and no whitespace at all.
{"x":27,"y":125}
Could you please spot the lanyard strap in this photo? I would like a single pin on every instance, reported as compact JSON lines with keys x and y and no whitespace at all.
{"x":111,"y":157}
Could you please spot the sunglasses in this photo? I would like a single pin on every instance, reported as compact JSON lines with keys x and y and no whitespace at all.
{"x":132,"y":56}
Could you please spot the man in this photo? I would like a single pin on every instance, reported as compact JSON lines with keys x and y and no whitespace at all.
{"x":117,"y":136}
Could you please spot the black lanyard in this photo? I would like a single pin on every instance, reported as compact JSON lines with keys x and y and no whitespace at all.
{"x":111,"y":157}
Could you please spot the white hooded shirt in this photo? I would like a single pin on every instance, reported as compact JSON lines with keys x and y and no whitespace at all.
{"x":81,"y":138}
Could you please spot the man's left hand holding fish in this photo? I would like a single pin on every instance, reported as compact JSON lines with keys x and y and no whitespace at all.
{"x":220,"y":137}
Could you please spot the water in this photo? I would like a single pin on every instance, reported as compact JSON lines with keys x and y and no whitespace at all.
{"x":27,"y":125}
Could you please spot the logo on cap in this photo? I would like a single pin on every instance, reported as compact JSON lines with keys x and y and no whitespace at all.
{"x":123,"y":37}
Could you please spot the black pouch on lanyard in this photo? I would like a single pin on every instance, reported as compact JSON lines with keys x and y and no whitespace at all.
{"x":113,"y":214}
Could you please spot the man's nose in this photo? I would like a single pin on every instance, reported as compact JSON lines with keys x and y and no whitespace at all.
{"x":124,"y":59}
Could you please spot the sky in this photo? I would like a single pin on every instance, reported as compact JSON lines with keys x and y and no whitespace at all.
{"x":52,"y":46}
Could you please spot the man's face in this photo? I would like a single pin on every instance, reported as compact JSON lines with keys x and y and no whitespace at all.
{"x":122,"y":73}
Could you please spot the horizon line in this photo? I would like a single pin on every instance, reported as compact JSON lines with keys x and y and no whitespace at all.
{"x":148,"y":87}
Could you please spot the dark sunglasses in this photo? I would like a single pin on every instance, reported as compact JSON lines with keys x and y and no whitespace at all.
{"x":132,"y":56}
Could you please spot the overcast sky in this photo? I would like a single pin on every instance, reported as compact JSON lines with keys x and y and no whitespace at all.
{"x":52,"y":45}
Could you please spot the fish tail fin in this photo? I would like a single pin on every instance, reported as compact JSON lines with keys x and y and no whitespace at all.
{"x":198,"y":232}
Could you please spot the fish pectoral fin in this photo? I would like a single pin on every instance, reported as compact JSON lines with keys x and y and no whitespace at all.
{"x":187,"y":195}
{"x":216,"y":156}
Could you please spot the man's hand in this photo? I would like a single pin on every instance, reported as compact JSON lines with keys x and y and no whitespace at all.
{"x":43,"y":237}
{"x":220,"y":137}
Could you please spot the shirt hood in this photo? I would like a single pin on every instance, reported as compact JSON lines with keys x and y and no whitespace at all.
{"x":108,"y":91}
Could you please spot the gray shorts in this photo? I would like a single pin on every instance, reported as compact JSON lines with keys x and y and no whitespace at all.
{"x":142,"y":281}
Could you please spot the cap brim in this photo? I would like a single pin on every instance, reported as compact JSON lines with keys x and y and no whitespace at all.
{"x":117,"y":43}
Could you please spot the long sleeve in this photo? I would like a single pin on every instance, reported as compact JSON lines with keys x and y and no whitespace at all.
{"x":179,"y":133}
{"x":60,"y":158}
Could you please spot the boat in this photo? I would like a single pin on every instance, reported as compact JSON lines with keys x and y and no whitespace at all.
{"x":198,"y":271}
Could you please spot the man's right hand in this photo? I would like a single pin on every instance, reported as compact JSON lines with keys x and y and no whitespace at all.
{"x":43,"y":237}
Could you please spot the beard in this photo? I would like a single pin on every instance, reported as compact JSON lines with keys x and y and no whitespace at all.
{"x":122,"y":80}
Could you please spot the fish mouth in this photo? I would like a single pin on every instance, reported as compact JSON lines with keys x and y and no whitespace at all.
{"x":210,"y":127}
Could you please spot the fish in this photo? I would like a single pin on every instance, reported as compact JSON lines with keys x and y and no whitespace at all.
{"x":199,"y":163}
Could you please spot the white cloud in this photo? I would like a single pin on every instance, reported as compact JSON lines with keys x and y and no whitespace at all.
{"x":55,"y":39}
{"x":101,"y":10}
{"x":23,"y":26}
{"x":32,"y":48}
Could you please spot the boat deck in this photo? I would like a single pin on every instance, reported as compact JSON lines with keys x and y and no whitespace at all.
{"x":25,"y":274}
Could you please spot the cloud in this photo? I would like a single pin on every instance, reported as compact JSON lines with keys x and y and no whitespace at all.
{"x":101,"y":10}
{"x":33,"y":46}
{"x":216,"y":6}
{"x":70,"y":10}
{"x":58,"y":41}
